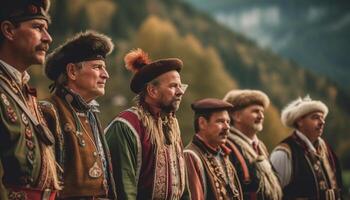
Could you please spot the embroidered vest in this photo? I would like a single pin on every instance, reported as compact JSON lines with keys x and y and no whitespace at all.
{"x":309,"y":179}
{"x":160,"y":172}
{"x":217,"y":188}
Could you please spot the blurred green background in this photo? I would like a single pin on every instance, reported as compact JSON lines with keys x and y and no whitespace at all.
{"x":218,"y":58}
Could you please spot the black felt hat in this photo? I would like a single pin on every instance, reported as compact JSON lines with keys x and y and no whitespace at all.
{"x":84,"y":46}
{"x":23,"y":10}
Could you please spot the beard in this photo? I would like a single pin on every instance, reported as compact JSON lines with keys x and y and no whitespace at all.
{"x":171,"y":106}
{"x":258,"y":127}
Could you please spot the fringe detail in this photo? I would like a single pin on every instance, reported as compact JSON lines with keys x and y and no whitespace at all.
{"x":154,"y":127}
{"x":323,"y":152}
{"x":51,"y":167}
{"x":269,"y":184}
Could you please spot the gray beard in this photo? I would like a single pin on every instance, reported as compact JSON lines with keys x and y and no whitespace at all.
{"x":258,"y":127}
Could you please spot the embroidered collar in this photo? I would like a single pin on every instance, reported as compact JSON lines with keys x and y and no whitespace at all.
{"x":307,"y":142}
{"x":221,"y":150}
{"x":77,"y":101}
{"x":234,"y":130}
{"x":20,"y":78}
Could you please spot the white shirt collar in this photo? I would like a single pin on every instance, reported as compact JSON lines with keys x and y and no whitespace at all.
{"x":250,"y":141}
{"x":309,"y":145}
{"x":20,"y":78}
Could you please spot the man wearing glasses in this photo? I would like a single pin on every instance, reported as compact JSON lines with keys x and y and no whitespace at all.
{"x":144,"y":141}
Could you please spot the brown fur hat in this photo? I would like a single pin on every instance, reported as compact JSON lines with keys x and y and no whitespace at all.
{"x":243,"y":98}
{"x":145,"y":70}
{"x":300,"y":107}
{"x":84,"y":46}
{"x":23,"y":10}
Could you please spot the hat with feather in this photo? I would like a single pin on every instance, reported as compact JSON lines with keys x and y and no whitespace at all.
{"x":300,"y":107}
{"x":84,"y":46}
{"x":244,"y":98}
{"x":144,"y":70}
{"x":23,"y":10}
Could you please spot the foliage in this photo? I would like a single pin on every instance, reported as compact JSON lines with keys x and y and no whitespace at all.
{"x":215,"y":58}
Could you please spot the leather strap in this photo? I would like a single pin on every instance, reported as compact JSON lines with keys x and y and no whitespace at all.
{"x":44,"y":133}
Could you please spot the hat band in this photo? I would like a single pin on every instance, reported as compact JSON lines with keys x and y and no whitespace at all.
{"x":32,"y":12}
{"x":87,"y":58}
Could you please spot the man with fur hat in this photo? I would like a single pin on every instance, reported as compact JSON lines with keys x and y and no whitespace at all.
{"x":27,"y":162}
{"x":249,"y":154}
{"x":211,"y":175}
{"x":306,"y":165}
{"x":145,"y":142}
{"x":78,"y":70}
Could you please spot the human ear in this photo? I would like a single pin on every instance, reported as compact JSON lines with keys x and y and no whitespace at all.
{"x":236,"y":116}
{"x":202,"y":122}
{"x":7,"y":29}
{"x":152,"y":91}
{"x":71,"y":71}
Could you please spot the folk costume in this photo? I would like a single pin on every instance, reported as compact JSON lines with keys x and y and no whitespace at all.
{"x":307,"y":170}
{"x":250,"y":156}
{"x":27,"y":161}
{"x":81,"y":148}
{"x":211,"y":175}
{"x":146,"y":148}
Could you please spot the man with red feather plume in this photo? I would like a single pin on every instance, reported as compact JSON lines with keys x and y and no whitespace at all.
{"x":144,"y":140}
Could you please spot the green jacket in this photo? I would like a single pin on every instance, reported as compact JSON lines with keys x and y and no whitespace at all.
{"x":21,"y":148}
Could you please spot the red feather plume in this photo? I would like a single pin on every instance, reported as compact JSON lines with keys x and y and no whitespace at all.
{"x":136,"y":59}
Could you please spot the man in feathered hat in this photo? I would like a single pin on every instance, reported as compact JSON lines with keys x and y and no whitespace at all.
{"x":211,"y":175}
{"x":306,"y":165}
{"x":249,"y":154}
{"x":78,"y":70}
{"x":27,"y":163}
{"x":145,"y":142}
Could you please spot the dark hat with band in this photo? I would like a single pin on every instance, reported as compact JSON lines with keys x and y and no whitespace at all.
{"x":84,"y":46}
{"x":145,"y":70}
{"x":23,"y":10}
{"x":208,"y":105}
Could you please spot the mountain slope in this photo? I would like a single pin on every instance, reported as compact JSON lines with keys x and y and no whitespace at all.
{"x":314,"y":33}
{"x":216,"y":60}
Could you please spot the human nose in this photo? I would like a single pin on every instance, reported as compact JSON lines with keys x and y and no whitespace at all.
{"x":105,"y":73}
{"x":183,"y":88}
{"x":46,"y":36}
{"x":261,"y":115}
{"x":227,"y":125}
{"x":322,"y":121}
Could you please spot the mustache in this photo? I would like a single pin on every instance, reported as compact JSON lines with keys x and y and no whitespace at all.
{"x":224,"y":132}
{"x":42,"y":47}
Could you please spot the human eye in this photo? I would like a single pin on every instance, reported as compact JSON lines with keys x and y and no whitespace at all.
{"x":96,"y":67}
{"x":37,"y":27}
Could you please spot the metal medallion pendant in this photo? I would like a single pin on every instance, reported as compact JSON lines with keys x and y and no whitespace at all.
{"x":95,"y":171}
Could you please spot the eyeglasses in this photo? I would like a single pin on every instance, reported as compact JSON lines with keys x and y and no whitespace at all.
{"x":184,"y":87}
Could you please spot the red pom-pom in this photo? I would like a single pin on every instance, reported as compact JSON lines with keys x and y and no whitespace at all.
{"x":136,"y":59}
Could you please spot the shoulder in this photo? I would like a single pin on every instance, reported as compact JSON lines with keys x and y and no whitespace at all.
{"x":127,"y":119}
{"x":282,"y":149}
{"x":192,"y":156}
{"x":47,"y":106}
{"x":48,"y":109}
